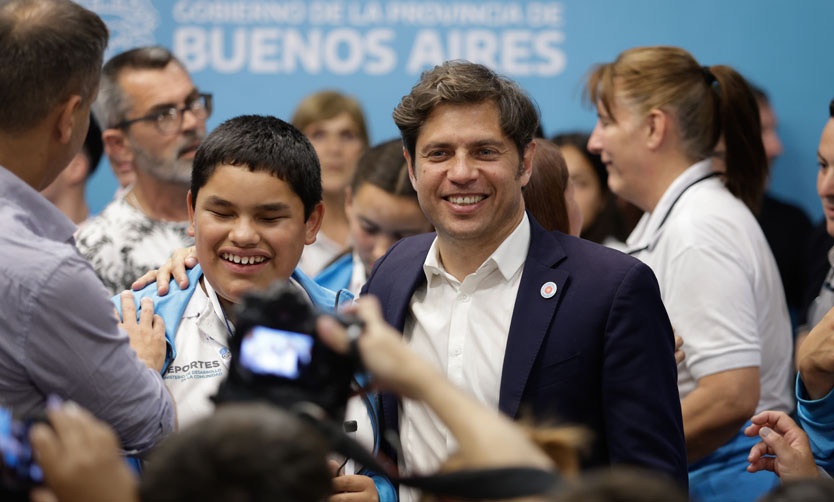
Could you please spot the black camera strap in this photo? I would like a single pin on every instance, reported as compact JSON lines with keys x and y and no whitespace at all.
{"x":486,"y":483}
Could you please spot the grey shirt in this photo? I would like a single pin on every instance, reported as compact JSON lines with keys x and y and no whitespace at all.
{"x":58,"y":333}
{"x":824,"y":301}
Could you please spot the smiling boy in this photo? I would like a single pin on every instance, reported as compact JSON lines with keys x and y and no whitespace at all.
{"x":254,"y":202}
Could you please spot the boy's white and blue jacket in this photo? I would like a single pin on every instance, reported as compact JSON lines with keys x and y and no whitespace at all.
{"x":171,"y":307}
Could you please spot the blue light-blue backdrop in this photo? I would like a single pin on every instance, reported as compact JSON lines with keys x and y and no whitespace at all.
{"x":264,"y":56}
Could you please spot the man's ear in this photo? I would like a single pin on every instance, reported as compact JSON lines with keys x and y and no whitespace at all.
{"x":526,"y":167}
{"x":313,"y":224}
{"x":192,"y":224}
{"x":657,"y":123}
{"x":410,"y":163}
{"x":68,"y":122}
{"x":117,"y":146}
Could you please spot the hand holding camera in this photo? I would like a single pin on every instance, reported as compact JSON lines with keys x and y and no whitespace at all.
{"x":278,"y":357}
{"x":384,"y":353}
{"x":78,"y":458}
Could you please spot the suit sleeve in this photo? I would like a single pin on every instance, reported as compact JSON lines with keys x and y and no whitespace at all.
{"x":642,"y":405}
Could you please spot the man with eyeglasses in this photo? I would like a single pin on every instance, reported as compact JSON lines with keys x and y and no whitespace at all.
{"x":153,"y":118}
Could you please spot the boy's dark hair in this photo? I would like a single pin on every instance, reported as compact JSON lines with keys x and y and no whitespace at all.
{"x":622,"y":484}
{"x":384,"y":166}
{"x":802,"y":490}
{"x":252,"y":451}
{"x":261,"y":143}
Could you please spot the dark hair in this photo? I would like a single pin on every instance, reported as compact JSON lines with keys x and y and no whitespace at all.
{"x":384,"y":166}
{"x":622,"y":484}
{"x":802,"y":490}
{"x":112,"y":104}
{"x":579,"y":140}
{"x":464,"y":83}
{"x":705,"y":101}
{"x":544,"y":194}
{"x":831,"y":109}
{"x":261,"y":143}
{"x":608,"y":222}
{"x":253,"y":452}
{"x":93,"y":147}
{"x":325,"y":105}
{"x":49,"y":50}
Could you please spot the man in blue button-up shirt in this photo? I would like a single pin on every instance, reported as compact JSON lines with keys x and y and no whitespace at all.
{"x":58,"y":334}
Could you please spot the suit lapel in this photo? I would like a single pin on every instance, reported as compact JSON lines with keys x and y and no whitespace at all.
{"x":400,"y":286}
{"x":532,"y":314}
{"x":404,"y":274}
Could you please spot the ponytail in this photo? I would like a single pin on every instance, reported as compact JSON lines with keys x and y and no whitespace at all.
{"x":745,"y":159}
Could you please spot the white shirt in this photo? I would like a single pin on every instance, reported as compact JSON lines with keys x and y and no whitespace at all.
{"x":357,"y":276}
{"x":122,"y":243}
{"x":319,"y":254}
{"x":202,"y":360}
{"x":462,"y":328}
{"x":719,"y":283}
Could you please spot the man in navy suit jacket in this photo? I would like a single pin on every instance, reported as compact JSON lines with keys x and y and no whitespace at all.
{"x":540,"y":324}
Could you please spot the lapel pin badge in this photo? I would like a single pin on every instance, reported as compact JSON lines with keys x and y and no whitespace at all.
{"x":548,"y":289}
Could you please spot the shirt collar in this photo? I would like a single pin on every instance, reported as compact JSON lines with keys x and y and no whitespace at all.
{"x":218,"y":308}
{"x":357,"y":276}
{"x":648,"y":227}
{"x":508,"y":257}
{"x":44,"y":217}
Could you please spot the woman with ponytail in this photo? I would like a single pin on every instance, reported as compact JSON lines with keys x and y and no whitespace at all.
{"x":661,"y":114}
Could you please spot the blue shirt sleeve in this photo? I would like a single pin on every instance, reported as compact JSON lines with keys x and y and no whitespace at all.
{"x":384,"y":488}
{"x":816,"y":416}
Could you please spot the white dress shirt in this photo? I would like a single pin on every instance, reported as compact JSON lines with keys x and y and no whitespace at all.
{"x":719,"y":283}
{"x":462,"y":328}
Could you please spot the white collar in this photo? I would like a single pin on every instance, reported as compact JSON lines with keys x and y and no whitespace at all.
{"x":218,"y":308}
{"x":508,"y":257}
{"x":648,"y":230}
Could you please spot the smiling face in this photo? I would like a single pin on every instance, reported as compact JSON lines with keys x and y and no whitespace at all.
{"x":164,"y":157}
{"x":825,"y":176}
{"x":468,"y":175}
{"x":339,"y":144}
{"x":378,"y":219}
{"x":618,"y":138}
{"x":249,"y":230}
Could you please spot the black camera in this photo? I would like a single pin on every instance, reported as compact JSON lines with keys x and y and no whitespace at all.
{"x":277,"y":356}
{"x":18,"y":470}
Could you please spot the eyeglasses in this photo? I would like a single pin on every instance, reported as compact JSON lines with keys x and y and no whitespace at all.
{"x":169,"y":121}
